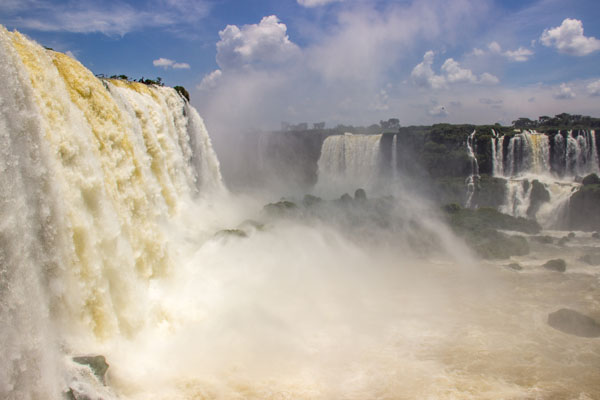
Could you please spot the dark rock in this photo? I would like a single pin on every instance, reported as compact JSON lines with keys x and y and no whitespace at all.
{"x":563,"y":241}
{"x":543,"y":239}
{"x":231,"y":232}
{"x":183,"y":92}
{"x":281,"y":208}
{"x":571,"y":235}
{"x":538,"y":196}
{"x":591,"y":179}
{"x":97,"y":364}
{"x":557,"y":264}
{"x":514,"y":266}
{"x":574,"y":323}
{"x":584,"y":209}
{"x":346,"y":198}
{"x":360,"y":195}
{"x":596,"y":235}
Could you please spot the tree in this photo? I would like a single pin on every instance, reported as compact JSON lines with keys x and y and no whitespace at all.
{"x":319,"y":125}
{"x":390,"y":124}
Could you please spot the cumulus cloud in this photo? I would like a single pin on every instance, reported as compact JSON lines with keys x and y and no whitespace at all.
{"x":564,"y":92}
{"x":264,"y":43}
{"x":166,"y":64}
{"x":423,"y":75}
{"x":594,"y":88}
{"x":316,"y":3}
{"x":568,"y":38}
{"x":210,"y":81}
{"x":520,"y":55}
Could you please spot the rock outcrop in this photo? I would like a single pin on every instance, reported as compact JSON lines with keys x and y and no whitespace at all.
{"x":574,"y":323}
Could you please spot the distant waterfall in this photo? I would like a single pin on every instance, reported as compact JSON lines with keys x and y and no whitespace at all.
{"x":552,"y":160}
{"x":93,"y":171}
{"x":394,"y":158}
{"x":474,"y":177}
{"x":348,"y":162}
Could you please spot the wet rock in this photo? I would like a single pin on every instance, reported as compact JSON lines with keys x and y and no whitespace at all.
{"x":571,"y":235}
{"x":563,"y":241}
{"x":310,"y":200}
{"x":281,"y":208}
{"x":596,"y":235}
{"x":514,"y":266}
{"x":539,"y":195}
{"x":360,"y":195}
{"x":591,"y":179}
{"x":231,"y":232}
{"x":545,"y":239}
{"x":98,"y":365}
{"x":574,"y":323}
{"x":346,"y":198}
{"x":558,"y":265}
{"x":583,"y":212}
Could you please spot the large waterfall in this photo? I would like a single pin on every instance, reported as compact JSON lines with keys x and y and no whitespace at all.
{"x":92,"y":171}
{"x":349,"y":161}
{"x":553,"y":160}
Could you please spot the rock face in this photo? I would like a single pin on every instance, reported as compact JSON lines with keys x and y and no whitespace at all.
{"x":539,"y":195}
{"x":558,"y":265}
{"x":584,"y":206}
{"x":574,"y":323}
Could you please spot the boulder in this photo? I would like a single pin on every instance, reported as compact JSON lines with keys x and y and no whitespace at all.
{"x":574,"y":323}
{"x":514,"y":266}
{"x":360,"y":195}
{"x":538,"y":196}
{"x":584,"y":209}
{"x":591,"y":179}
{"x":558,"y":265}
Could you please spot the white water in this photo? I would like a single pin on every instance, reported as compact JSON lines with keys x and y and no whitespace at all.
{"x":394,"y":158}
{"x":108,"y":246}
{"x":471,"y":179}
{"x":528,"y":159}
{"x":348,"y":162}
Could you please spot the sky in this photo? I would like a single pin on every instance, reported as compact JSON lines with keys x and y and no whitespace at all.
{"x":252,"y":64}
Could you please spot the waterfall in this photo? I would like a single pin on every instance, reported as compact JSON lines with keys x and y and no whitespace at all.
{"x":348,"y":162}
{"x":92,"y":172}
{"x":471,"y":181}
{"x":497,"y":154}
{"x":394,"y":157}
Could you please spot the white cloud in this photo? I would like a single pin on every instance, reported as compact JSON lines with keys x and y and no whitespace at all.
{"x":594,"y":88}
{"x":423,"y":75}
{"x":210,"y":81}
{"x":455,"y":74}
{"x":316,"y":3}
{"x":564,"y":92}
{"x":568,"y":38}
{"x":264,"y":43}
{"x":521,"y":54}
{"x":166,"y":64}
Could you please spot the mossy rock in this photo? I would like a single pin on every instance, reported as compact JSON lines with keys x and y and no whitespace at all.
{"x":514,"y":266}
{"x":97,"y":364}
{"x":491,"y":244}
{"x":281,"y":208}
{"x":232,"y":232}
{"x":591,"y":179}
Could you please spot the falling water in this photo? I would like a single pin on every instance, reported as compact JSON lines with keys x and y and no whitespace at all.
{"x":394,"y":158}
{"x":497,"y":154}
{"x":474,"y":177}
{"x":349,"y":161}
{"x":92,"y":171}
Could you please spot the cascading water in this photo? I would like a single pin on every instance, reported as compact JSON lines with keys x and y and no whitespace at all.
{"x":530,"y":157}
{"x":348,"y":162}
{"x":92,"y":171}
{"x":394,"y":158}
{"x":474,"y":177}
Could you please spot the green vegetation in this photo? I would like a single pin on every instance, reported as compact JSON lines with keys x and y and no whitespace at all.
{"x":561,"y":121}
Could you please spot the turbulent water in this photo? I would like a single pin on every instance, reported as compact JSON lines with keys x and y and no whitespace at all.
{"x":118,"y":238}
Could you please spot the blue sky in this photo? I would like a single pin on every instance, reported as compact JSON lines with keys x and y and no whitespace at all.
{"x":252,"y":64}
